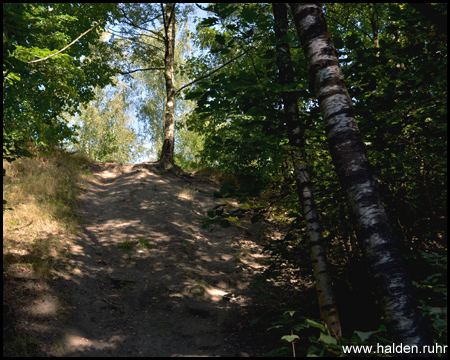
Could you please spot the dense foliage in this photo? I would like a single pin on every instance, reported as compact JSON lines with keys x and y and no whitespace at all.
{"x":105,"y":128}
{"x":394,"y":61}
{"x":38,"y":87}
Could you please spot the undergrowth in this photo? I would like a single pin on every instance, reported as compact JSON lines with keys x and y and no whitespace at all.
{"x":41,"y":194}
{"x":39,"y":221}
{"x":360,"y":313}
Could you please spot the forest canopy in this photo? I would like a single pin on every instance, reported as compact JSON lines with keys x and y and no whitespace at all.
{"x":40,"y":81}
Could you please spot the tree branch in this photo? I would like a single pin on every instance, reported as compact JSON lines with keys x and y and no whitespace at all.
{"x":158,"y":36}
{"x":132,"y":71}
{"x":338,"y":22}
{"x":73,"y":42}
{"x":134,"y":38}
{"x":132,"y":23}
{"x":164,"y":21}
{"x":212,"y":72}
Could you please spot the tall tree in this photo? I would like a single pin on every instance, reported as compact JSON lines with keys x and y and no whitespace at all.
{"x":166,"y":158}
{"x":157,"y":23}
{"x":327,"y":303}
{"x":403,"y":318}
{"x":149,"y":92}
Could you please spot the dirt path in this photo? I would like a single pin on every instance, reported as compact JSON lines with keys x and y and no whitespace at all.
{"x":148,"y":280}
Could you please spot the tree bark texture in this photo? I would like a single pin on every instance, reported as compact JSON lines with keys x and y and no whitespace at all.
{"x":402,"y":314}
{"x":327,"y":304}
{"x":166,"y":158}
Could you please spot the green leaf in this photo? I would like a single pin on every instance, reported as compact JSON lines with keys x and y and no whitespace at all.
{"x":220,"y":39}
{"x":222,"y":51}
{"x":315,"y":324}
{"x":299,"y":327}
{"x":217,"y":139}
{"x":209,"y":22}
{"x":248,"y":14}
{"x":275,"y":327}
{"x":290,"y":338}
{"x":327,"y":339}
{"x":14,"y":76}
{"x":192,"y":95}
{"x":363,"y":335}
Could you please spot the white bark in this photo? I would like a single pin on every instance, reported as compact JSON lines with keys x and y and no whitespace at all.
{"x":402,"y":316}
{"x":169,"y":122}
{"x":327,"y":304}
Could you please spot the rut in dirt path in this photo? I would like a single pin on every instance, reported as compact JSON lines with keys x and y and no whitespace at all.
{"x":147,"y":279}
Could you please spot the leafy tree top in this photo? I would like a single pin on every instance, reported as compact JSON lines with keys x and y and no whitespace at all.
{"x":45,"y":71}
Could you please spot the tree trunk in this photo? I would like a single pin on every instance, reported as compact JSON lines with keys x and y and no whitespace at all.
{"x":166,"y":159}
{"x":327,"y":304}
{"x":402,"y":315}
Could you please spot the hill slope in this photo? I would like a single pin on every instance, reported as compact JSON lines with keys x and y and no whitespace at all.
{"x":144,"y":278}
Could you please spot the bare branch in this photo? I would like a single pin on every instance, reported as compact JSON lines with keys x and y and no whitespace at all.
{"x":132,"y":23}
{"x":133,"y":71}
{"x":134,"y":39}
{"x":212,"y":72}
{"x":73,"y":42}
{"x":351,"y":23}
{"x":158,"y":36}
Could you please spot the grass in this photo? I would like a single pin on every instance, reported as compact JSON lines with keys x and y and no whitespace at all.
{"x":242,"y":253}
{"x":142,"y":243}
{"x":23,"y":345}
{"x":188,"y":192}
{"x":39,"y":222}
{"x":41,"y":195}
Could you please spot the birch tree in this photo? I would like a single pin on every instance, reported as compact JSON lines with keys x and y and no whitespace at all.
{"x":155,"y":22}
{"x":105,"y":127}
{"x":166,"y":158}
{"x":402,"y":315}
{"x":327,"y":305}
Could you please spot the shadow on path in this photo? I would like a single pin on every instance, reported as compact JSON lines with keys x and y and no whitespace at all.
{"x":147,"y":280}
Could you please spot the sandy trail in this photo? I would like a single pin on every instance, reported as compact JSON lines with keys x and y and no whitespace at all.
{"x":147,"y":279}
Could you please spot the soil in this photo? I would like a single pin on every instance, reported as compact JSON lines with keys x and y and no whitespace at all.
{"x":145,"y":278}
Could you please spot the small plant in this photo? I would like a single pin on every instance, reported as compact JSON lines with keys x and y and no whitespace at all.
{"x":322,"y":344}
{"x":435,"y":306}
{"x":146,"y":243}
{"x":188,"y":192}
{"x":127,"y":245}
{"x":199,"y":288}
{"x":22,"y":345}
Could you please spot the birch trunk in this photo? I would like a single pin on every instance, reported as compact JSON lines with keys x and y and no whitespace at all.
{"x":166,"y":159}
{"x":402,"y":315}
{"x":327,"y":304}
